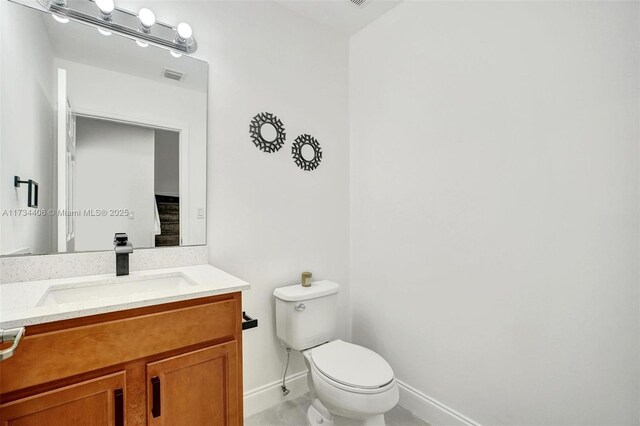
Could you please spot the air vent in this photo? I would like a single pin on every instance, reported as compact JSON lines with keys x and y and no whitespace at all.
{"x":358,"y":2}
{"x":173,"y":75}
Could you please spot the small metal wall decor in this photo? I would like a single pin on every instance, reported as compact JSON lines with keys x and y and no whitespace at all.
{"x":296,"y":151}
{"x":257,"y":132}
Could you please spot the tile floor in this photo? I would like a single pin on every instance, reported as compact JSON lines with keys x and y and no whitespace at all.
{"x":294,"y":413}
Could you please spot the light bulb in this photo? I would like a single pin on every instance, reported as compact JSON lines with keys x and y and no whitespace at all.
{"x":105,"y":6}
{"x":175,"y":54}
{"x":104,"y":32}
{"x":60,"y":19}
{"x":184,"y":31}
{"x":147,"y":18}
{"x":141,"y":43}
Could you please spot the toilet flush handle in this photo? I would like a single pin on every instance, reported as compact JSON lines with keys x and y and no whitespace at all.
{"x":301,"y":307}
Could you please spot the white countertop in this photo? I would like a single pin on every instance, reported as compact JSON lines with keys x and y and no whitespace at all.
{"x":19,"y":301}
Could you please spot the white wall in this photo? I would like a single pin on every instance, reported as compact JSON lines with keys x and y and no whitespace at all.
{"x":268,"y":220}
{"x":114,"y":170}
{"x":146,"y":101}
{"x":167,"y":163}
{"x":27,"y":134}
{"x":494,"y":206}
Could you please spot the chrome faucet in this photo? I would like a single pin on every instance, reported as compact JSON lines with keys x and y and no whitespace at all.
{"x":123,"y":249}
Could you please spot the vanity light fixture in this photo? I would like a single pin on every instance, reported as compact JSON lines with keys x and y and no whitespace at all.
{"x":147,"y":20}
{"x":106,"y":8}
{"x":185,"y":34}
{"x":142,"y":26}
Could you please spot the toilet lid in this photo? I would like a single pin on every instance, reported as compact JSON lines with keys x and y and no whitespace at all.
{"x":352,"y":365}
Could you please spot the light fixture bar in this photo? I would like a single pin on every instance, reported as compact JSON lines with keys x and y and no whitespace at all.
{"x":122,"y":22}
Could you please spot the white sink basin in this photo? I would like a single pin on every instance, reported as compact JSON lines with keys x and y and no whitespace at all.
{"x":130,"y":288}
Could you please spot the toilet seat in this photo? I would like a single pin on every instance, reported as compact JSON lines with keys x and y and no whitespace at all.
{"x":352,"y":367}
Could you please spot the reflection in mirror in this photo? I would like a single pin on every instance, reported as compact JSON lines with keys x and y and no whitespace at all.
{"x":115,"y":136}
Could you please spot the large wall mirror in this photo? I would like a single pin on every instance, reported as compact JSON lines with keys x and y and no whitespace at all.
{"x":113,"y":134}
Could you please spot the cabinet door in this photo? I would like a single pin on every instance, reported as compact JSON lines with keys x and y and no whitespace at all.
{"x":96,"y":402}
{"x":197,"y":388}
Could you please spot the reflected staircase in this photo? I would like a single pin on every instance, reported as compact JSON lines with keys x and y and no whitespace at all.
{"x":169,"y":211}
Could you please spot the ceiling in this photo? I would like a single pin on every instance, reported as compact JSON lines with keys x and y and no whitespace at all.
{"x":341,"y":15}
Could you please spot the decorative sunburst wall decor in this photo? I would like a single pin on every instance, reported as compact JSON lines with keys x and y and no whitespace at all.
{"x":296,"y":152}
{"x":255,"y":130}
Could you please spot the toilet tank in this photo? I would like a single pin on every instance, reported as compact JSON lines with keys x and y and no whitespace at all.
{"x":306,"y":316}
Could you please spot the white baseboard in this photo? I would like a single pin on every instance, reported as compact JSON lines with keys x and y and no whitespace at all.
{"x":269,"y":395}
{"x":431,"y":411}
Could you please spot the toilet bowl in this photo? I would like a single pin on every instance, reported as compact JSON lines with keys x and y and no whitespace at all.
{"x":349,"y":384}
{"x":354,"y":384}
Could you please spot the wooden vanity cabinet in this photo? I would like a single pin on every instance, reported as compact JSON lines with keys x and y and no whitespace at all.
{"x":94,"y":402}
{"x":167,"y":365}
{"x":193,"y":389}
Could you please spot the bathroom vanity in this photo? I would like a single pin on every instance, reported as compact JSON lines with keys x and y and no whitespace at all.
{"x":84,"y":162}
{"x":169,"y":356}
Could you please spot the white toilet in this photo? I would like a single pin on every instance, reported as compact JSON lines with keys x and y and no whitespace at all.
{"x":349,"y":384}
